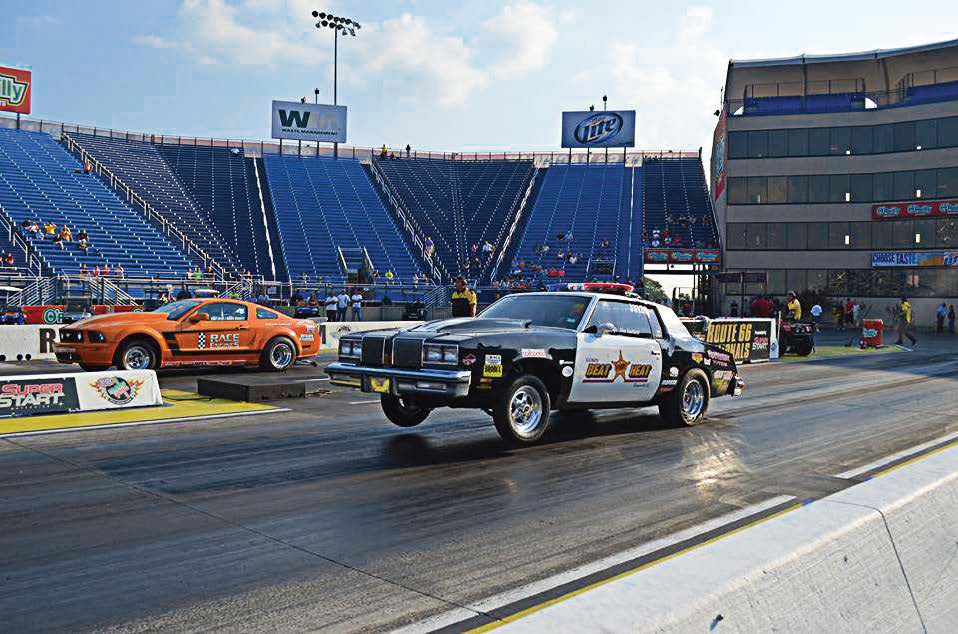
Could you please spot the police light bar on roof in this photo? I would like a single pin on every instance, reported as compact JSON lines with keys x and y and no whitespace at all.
{"x":611,"y":288}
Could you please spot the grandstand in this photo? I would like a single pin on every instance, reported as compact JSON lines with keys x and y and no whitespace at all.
{"x":281,"y":216}
{"x":40,"y":181}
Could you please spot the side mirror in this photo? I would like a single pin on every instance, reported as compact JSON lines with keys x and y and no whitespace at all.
{"x":604,"y":328}
{"x":198,"y":317}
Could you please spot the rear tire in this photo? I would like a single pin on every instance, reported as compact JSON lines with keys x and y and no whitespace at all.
{"x":278,"y":355}
{"x":521,"y":412}
{"x":400,"y":413}
{"x":688,"y":403}
{"x":138,"y":354}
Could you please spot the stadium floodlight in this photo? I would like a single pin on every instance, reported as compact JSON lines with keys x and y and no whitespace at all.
{"x":339,"y":24}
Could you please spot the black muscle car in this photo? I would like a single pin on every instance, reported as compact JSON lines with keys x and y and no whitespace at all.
{"x":531,"y":353}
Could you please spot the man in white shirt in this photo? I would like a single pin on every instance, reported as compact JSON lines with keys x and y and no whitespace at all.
{"x":342,"y":301}
{"x":331,"y":303}
{"x":357,"y":303}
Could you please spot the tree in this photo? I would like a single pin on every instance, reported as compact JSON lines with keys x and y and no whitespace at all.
{"x":653,"y":291}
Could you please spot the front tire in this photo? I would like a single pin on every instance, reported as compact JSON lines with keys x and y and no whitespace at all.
{"x":401,"y":413}
{"x":278,"y":355}
{"x":688,"y":403}
{"x":521,"y":412}
{"x":138,"y":354}
{"x":803,"y":348}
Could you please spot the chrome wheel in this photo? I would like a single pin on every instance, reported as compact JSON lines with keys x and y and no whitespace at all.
{"x":281,"y":356}
{"x":693,"y":399}
{"x":525,"y":409}
{"x":137,"y":357}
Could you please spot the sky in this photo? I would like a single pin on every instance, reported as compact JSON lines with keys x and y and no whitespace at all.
{"x":472,"y":75}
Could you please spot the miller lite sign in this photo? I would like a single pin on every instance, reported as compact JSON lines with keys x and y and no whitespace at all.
{"x":610,"y":128}
{"x":15,"y":90}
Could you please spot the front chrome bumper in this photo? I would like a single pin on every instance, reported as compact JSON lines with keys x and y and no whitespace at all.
{"x":396,"y":381}
{"x":739,"y":386}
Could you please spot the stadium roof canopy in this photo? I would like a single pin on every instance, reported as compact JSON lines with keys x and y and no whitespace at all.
{"x":877,"y":70}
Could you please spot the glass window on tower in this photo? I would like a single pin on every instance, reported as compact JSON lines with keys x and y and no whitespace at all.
{"x":884,"y":138}
{"x":863,"y":139}
{"x":798,"y":142}
{"x":948,"y":182}
{"x":778,"y":143}
{"x":904,"y":136}
{"x":758,"y":144}
{"x":861,"y":187}
{"x":839,"y":141}
{"x":797,"y":189}
{"x":926,"y":134}
{"x":818,"y":142}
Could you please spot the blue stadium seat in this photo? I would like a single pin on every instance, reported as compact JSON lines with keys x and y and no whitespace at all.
{"x":676,"y":198}
{"x":39,"y":181}
{"x":945,"y":91}
{"x":223,"y":182}
{"x":459,"y":203}
{"x":141,"y":166}
{"x":321,"y":204}
{"x":796,"y":104}
{"x":594,"y":203}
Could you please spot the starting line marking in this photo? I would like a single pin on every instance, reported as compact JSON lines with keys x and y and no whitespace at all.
{"x":180,"y":407}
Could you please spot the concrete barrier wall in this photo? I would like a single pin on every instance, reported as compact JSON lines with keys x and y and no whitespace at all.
{"x":24,"y":343}
{"x":332,"y":331}
{"x":879,"y":556}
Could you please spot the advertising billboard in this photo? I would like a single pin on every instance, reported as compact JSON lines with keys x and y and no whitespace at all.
{"x":718,"y":157}
{"x":15,"y":90}
{"x":309,"y":122}
{"x":610,"y":128}
{"x":907,"y":259}
{"x":915,"y":209}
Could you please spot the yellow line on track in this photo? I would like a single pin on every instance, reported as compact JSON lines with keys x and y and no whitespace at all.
{"x":536,"y":608}
{"x":179,"y":404}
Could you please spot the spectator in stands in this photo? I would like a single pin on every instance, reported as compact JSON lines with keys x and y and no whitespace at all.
{"x":83,"y":269}
{"x":466,"y":264}
{"x":105,"y":270}
{"x":476,"y":264}
{"x":184,"y":293}
{"x":545,"y":249}
{"x":408,"y":150}
{"x":65,"y":234}
{"x":304,"y":280}
{"x":560,"y":237}
{"x":50,"y":229}
{"x":487,"y":249}
{"x":8,"y":260}
{"x":58,"y":240}
{"x":120,"y":273}
{"x":83,"y":245}
{"x":263,"y":297}
{"x":210,"y":273}
{"x":573,"y":258}
{"x":390,"y":276}
{"x":82,"y":235}
{"x":568,"y":237}
{"x":430,"y":247}
{"x":604,"y":243}
{"x":342,"y":302}
{"x":88,"y":166}
{"x":383,"y":152}
{"x":357,"y":305}
{"x":166,"y":296}
{"x":473,"y":249}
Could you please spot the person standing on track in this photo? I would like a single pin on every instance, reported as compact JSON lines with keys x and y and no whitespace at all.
{"x":903,"y":320}
{"x":793,"y":306}
{"x":342,"y":301}
{"x":357,"y":304}
{"x":951,"y":318}
{"x":330,"y":304}
{"x":463,"y":299}
{"x":940,"y":313}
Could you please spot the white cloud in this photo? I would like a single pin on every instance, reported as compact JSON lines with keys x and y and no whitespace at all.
{"x":445,"y":67}
{"x":520,"y":39}
{"x":408,"y":45}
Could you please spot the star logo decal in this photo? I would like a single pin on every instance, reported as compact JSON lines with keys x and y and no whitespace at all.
{"x":620,"y":365}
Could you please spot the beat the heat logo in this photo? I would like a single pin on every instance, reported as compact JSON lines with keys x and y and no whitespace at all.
{"x":597,"y":372}
{"x":598,"y":128}
{"x":116,"y":389}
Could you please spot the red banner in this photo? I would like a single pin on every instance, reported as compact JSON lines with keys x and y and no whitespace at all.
{"x":915,"y":209}
{"x":683,"y":256}
{"x":15,"y":90}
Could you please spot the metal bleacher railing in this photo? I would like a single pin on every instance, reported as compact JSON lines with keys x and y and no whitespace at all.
{"x":260,"y":148}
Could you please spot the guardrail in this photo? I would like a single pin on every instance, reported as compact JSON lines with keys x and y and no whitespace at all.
{"x":515,"y":223}
{"x":262,"y":148}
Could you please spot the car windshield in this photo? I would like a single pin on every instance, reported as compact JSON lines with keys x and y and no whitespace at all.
{"x":559,"y":311}
{"x":175,"y":310}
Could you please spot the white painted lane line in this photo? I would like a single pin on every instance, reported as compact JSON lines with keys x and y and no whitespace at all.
{"x":363,"y":403}
{"x":881,"y":462}
{"x":511,"y":596}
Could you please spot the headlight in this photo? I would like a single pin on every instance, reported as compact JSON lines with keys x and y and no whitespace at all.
{"x":95,"y":336}
{"x":350,"y":348}
{"x":436,"y":353}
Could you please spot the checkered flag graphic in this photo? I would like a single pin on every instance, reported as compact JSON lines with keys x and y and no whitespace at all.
{"x":201,"y":340}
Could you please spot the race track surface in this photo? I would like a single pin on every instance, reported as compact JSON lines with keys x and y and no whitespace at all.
{"x":328,"y":517}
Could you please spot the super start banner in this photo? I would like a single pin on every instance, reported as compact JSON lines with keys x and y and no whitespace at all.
{"x":80,"y":392}
{"x":749,"y":340}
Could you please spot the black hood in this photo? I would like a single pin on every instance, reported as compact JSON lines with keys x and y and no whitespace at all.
{"x":469,"y":325}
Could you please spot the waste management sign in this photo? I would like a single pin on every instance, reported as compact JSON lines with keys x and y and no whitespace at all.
{"x":309,"y":122}
{"x":610,"y":128}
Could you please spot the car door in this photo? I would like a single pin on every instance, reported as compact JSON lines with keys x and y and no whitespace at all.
{"x":623,"y":364}
{"x":225,"y":332}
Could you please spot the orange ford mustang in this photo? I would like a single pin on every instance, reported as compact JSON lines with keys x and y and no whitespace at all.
{"x":190,"y":332}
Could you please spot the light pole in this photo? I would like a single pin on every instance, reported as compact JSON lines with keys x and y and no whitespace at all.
{"x":337,"y":24}
{"x":605,"y":99}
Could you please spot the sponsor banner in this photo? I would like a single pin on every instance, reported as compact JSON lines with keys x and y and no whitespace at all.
{"x":683,"y":256}
{"x":48,"y":314}
{"x":611,"y":128}
{"x":37,"y":394}
{"x":330,"y":332}
{"x":749,"y":340}
{"x":915,"y":209}
{"x":718,"y":157}
{"x":16,"y":90}
{"x":309,"y":122}
{"x":113,"y":390}
{"x":23,"y":343}
{"x":909,"y":259}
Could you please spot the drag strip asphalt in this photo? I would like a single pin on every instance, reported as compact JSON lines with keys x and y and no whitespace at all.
{"x":328,"y":517}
